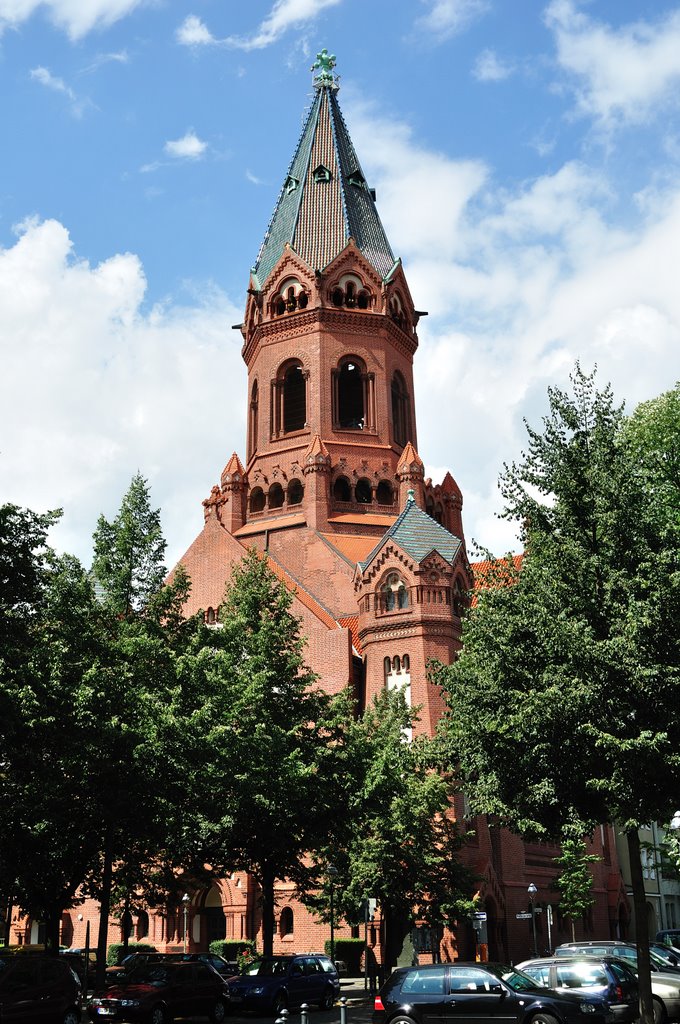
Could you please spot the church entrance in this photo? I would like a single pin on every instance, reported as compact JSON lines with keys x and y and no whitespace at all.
{"x":215,"y":921}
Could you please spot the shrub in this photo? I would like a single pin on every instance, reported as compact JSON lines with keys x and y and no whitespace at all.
{"x":242,"y":951}
{"x":117,"y":951}
{"x":349,"y":950}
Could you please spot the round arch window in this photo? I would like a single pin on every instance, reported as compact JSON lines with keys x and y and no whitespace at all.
{"x":342,"y":490}
{"x":385,"y":494}
{"x":362,"y":491}
{"x":276,"y":496}
{"x":295,"y":492}
{"x":257,"y":499}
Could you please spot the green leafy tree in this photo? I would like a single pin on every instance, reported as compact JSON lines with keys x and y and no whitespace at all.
{"x":575,"y":880}
{"x":262,"y":735}
{"x":395,"y":840}
{"x":565,"y":700}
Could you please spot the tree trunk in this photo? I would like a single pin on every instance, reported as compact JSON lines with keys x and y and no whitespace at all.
{"x":641,"y":933}
{"x":267,"y":911}
{"x":573,"y":930}
{"x":52,"y":930}
{"x":104,"y":908}
{"x":8,"y":921}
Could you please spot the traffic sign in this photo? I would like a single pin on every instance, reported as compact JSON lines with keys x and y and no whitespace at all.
{"x":524,"y":916}
{"x":479,"y":915}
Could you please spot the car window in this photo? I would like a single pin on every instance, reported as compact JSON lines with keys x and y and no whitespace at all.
{"x":582,"y":975}
{"x":518,"y":981}
{"x":23,"y":976}
{"x":469,"y":979}
{"x":426,"y":982}
{"x":312,"y":965}
{"x":622,"y":973}
{"x":540,"y":973}
{"x":327,"y":965}
{"x":203,"y":972}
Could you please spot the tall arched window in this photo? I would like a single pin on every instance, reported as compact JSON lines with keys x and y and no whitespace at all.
{"x":384,"y":494}
{"x":253,"y":421}
{"x":362,"y":491}
{"x":342,"y":489}
{"x":353,"y":395}
{"x":286,"y":922}
{"x":257,"y":499}
{"x":275,"y":496}
{"x":295,"y":492}
{"x":400,"y":410}
{"x":289,"y":400}
{"x":393,"y":593}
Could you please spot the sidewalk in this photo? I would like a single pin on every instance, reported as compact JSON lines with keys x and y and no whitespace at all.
{"x":353,"y":990}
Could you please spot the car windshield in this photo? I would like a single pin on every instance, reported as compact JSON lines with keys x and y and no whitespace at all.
{"x":150,"y":974}
{"x":514,"y":979}
{"x":266,"y":968}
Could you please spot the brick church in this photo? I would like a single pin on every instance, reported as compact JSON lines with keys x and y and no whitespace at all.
{"x":332,"y":487}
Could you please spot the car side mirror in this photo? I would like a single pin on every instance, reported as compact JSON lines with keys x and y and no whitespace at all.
{"x":497,"y":989}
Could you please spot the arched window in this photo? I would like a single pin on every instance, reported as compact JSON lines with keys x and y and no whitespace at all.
{"x":295,"y":492}
{"x":275,"y":498}
{"x":400,"y":410}
{"x":286,"y":922}
{"x":429,"y":505}
{"x":210,"y":616}
{"x":290,"y":297}
{"x":350,"y":396}
{"x":393,"y":593}
{"x":385,"y":494}
{"x":396,"y":664}
{"x":362,"y":491}
{"x":342,"y":489}
{"x":439,"y":512}
{"x":142,"y":924}
{"x":257,"y":499}
{"x":406,"y":663}
{"x":289,"y":399}
{"x":387,"y":664}
{"x":253,"y":423}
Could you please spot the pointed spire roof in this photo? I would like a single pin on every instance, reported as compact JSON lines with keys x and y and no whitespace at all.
{"x":410,"y":460}
{"x":418,"y":534}
{"x":324,"y":200}
{"x":233,"y":470}
{"x":317,"y":450}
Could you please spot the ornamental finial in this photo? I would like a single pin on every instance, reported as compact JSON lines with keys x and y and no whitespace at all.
{"x":410,"y":495}
{"x":324,"y":63}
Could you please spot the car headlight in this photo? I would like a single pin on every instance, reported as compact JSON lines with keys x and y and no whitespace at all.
{"x":587,"y":1007}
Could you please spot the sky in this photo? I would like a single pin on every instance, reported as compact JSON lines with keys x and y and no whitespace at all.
{"x":525,"y":157}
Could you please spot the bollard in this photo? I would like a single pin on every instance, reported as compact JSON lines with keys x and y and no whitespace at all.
{"x":282,"y":1018}
{"x":343,"y":1011}
{"x":304,"y":1014}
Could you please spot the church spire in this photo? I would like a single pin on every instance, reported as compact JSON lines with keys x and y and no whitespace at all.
{"x":325,"y":199}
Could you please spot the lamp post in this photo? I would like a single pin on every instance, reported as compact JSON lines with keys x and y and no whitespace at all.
{"x":532,"y":890}
{"x":186,"y":900}
{"x":332,"y":873}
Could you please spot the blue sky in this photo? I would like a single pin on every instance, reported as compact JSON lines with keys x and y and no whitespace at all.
{"x":525,"y":157}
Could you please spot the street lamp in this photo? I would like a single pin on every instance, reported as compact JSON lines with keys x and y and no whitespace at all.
{"x":532,"y":890}
{"x":186,"y":900}
{"x":332,"y":873}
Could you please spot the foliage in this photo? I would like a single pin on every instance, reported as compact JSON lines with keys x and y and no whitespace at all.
{"x":575,"y":881}
{"x":349,"y":950}
{"x":117,"y":950}
{"x":565,"y":701}
{"x":259,"y":733}
{"x":396,"y":840}
{"x":243,"y":951}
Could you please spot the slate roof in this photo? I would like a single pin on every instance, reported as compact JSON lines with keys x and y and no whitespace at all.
{"x":318,"y":217}
{"x":418,"y":534}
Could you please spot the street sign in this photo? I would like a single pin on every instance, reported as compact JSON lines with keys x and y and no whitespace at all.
{"x":523,"y":916}
{"x":480,"y":915}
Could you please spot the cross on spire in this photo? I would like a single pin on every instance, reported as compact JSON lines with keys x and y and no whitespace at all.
{"x":324,"y":63}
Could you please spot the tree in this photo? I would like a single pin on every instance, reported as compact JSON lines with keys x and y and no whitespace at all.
{"x":262,"y":735}
{"x":575,"y":881}
{"x":565,"y":700}
{"x":395,"y":840}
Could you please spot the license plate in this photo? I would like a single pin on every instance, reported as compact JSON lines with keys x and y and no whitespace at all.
{"x":103,"y":1011}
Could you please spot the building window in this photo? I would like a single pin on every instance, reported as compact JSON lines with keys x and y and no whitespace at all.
{"x":142,"y":924}
{"x":321,"y":174}
{"x":290,"y":297}
{"x":400,"y":412}
{"x":257,"y":499}
{"x":295,"y":492}
{"x":385,"y":493}
{"x":286,"y":922}
{"x":362,"y":491}
{"x":289,"y":400}
{"x":276,"y":496}
{"x":253,"y":421}
{"x":351,"y":293}
{"x":342,"y":489}
{"x":350,"y":396}
{"x":393,"y":593}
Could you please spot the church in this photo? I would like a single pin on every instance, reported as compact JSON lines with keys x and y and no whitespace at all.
{"x":332,"y":489}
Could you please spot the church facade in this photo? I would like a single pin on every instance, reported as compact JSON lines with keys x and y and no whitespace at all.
{"x":332,"y":488}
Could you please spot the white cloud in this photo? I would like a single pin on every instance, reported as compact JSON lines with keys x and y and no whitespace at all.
{"x":617,"y":74}
{"x":189,"y":147}
{"x":490,"y":68}
{"x":121,"y":57}
{"x":45,"y":77}
{"x":193,"y":32}
{"x":446,"y":18}
{"x":93,"y":388}
{"x":75,"y":17}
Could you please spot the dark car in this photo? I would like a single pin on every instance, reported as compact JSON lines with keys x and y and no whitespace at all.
{"x":669,"y":936}
{"x":276,"y":982}
{"x":76,"y":958}
{"x":610,"y":977}
{"x":39,"y":989}
{"x":227,"y":968}
{"x":625,"y":950}
{"x":479,"y":993}
{"x":130,"y":963}
{"x":158,"y":992}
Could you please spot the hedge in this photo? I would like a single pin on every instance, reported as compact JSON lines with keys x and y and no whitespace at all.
{"x":117,"y":951}
{"x":349,"y":950}
{"x":231,"y":948}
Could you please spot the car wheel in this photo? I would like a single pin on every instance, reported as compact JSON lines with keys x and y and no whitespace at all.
{"x":280,"y":1003}
{"x":544,"y":1018}
{"x":327,"y":999}
{"x":158,"y":1016}
{"x":402,"y":1019}
{"x":71,"y":1017}
{"x":218,"y":1012}
{"x":659,"y":1011}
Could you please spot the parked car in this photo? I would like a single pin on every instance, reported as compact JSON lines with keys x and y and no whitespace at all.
{"x":483,"y":993}
{"x":327,"y":963}
{"x":612,"y":978}
{"x":626,"y":950}
{"x":670,"y":936}
{"x":40,"y":989}
{"x":78,"y":963}
{"x":665,"y":984}
{"x":227,"y":968}
{"x":157,"y":992}
{"x":278,"y":982}
{"x":132,"y":961}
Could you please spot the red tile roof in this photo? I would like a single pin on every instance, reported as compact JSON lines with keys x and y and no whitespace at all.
{"x":351,"y":622}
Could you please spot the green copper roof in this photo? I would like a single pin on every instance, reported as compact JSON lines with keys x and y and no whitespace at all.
{"x":324,"y":200}
{"x":418,"y":534}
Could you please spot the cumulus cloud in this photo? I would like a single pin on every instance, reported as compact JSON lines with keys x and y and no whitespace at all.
{"x":284,"y":15}
{"x":194,"y":32}
{"x":617,"y":75}
{"x":520,"y":284}
{"x":75,"y":17}
{"x":488,"y":67}
{"x":446,"y":18}
{"x":189,"y":147}
{"x":93,"y":388}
